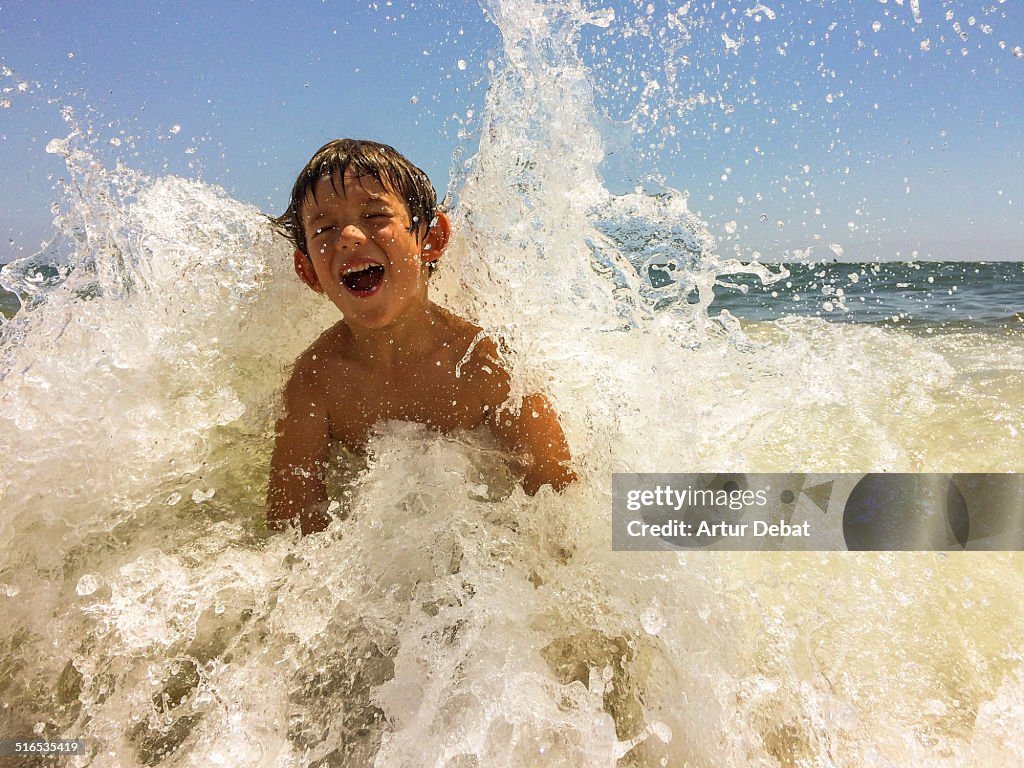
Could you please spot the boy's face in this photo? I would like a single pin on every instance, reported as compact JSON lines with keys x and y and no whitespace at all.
{"x":363,"y":250}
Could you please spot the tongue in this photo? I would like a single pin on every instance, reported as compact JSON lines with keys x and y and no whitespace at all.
{"x":365,"y":279}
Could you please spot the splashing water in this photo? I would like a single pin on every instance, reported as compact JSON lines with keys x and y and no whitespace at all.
{"x":449,"y":619}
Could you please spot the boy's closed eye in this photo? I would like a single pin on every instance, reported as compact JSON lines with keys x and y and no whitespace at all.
{"x":377,"y":219}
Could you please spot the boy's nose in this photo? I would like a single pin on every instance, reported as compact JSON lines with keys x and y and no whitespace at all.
{"x":351,"y":234}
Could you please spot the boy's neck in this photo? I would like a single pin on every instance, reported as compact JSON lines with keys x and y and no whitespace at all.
{"x":412,"y":337}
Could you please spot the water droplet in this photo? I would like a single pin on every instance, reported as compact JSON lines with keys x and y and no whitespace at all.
{"x":651,"y":619}
{"x":461,"y":64}
{"x":9,"y":590}
{"x":88,"y":584}
{"x":842,"y":715}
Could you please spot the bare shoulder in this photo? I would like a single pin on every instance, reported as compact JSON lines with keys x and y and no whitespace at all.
{"x":328,"y":352}
{"x":322,"y":365}
{"x":480,"y":365}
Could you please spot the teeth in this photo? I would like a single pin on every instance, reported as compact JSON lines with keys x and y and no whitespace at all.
{"x":364,"y":277}
{"x":359,"y":268}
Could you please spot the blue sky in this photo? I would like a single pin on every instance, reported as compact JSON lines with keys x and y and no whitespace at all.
{"x":844,"y":122}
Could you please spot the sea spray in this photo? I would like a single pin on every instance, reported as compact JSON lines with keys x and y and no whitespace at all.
{"x":122,"y":416}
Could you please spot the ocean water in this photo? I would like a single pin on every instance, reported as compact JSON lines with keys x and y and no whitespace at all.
{"x":917,"y":297}
{"x":446,"y":618}
{"x":926,"y":297}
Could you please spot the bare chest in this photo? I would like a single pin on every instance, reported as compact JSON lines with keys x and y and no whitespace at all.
{"x":429,"y":394}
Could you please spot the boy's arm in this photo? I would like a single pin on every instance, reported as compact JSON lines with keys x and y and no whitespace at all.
{"x":534,"y":436}
{"x":296,"y":494}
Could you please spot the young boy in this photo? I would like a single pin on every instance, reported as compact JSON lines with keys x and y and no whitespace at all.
{"x":367,"y":234}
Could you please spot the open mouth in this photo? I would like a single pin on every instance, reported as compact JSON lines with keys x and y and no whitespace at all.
{"x":365,"y":280}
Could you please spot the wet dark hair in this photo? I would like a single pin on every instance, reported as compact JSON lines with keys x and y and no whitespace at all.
{"x":364,"y":158}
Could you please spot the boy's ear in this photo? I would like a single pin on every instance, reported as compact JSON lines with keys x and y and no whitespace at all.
{"x":437,"y":238}
{"x":304,"y":269}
